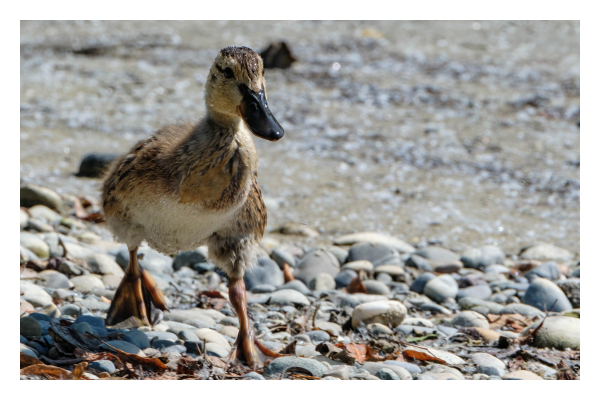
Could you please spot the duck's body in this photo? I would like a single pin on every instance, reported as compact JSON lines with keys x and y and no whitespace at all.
{"x":192,"y":185}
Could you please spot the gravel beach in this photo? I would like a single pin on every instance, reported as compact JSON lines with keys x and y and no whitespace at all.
{"x":423,"y":206}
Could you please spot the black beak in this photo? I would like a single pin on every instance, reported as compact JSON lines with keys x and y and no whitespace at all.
{"x":255,"y":112}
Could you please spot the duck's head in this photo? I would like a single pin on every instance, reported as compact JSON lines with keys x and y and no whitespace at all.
{"x":236,"y":87}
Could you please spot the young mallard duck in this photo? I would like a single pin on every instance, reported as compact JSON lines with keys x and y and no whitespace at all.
{"x":192,"y":185}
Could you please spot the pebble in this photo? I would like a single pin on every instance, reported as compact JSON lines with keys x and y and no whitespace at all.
{"x":418,"y":284}
{"x":483,"y":292}
{"x":82,"y":327}
{"x":137,"y":338}
{"x":467,"y":303}
{"x":298,"y":286}
{"x":213,"y":349}
{"x":124,"y":346}
{"x":152,"y":260}
{"x":28,"y":350}
{"x":316,"y":262}
{"x":376,"y":287}
{"x":383,"y":278}
{"x":318,"y":336}
{"x":23,"y":340}
{"x":193,"y":317}
{"x":71,"y":310}
{"x":212,"y":337}
{"x":489,"y":365}
{"x":437,"y":256}
{"x":322,"y":282}
{"x":54,"y":279}
{"x":160,"y":335}
{"x":384,"y":312}
{"x":379,"y":329}
{"x":375,"y":238}
{"x":374,"y":367}
{"x":546,"y":252}
{"x":280,"y":256}
{"x":344,"y":278}
{"x":376,"y":254}
{"x":441,"y":288}
{"x":288,"y":297}
{"x":265,"y":271}
{"x":521,"y":375}
{"x":441,"y":354}
{"x":87,"y":283}
{"x":411,"y":368}
{"x":104,"y":265}
{"x":572,"y":289}
{"x":558,"y":332}
{"x":103,"y":366}
{"x":338,"y":371}
{"x":391,"y":270}
{"x":357,"y":266}
{"x":189,"y":258}
{"x":35,"y":244}
{"x":34,"y":294}
{"x":32,"y":195}
{"x":443,"y":372}
{"x":496,"y":269}
{"x":253,"y":376}
{"x":386,"y":374}
{"x":482,"y":257}
{"x":263,"y":288}
{"x":470,"y":319}
{"x":419,"y":262}
{"x":24,"y":219}
{"x":279,"y":365}
{"x":30,"y":327}
{"x":230,"y":331}
{"x":548,"y":270}
{"x":542,"y":293}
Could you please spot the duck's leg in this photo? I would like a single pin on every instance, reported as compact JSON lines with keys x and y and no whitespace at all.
{"x":245,"y":348}
{"x":138,"y":299}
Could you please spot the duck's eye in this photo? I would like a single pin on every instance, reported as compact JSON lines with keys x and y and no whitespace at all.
{"x":228,"y":73}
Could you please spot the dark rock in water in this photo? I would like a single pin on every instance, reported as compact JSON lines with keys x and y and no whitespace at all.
{"x":103,"y":366}
{"x":548,"y":270}
{"x":542,"y":293}
{"x":419,"y":284}
{"x":316,"y":262}
{"x":377,"y":254}
{"x":266,"y":271}
{"x":94,"y":165}
{"x":277,"y":55}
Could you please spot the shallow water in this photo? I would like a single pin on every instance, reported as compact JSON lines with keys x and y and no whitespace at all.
{"x":458,"y":133}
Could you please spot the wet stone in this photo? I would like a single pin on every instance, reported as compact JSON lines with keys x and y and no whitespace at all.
{"x":103,"y":366}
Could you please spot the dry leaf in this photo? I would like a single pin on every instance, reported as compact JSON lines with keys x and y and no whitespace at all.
{"x":45,"y":371}
{"x":216,"y":361}
{"x":287,"y":273}
{"x":517,"y":322}
{"x":356,"y":286}
{"x":95,"y":218}
{"x":27,"y":360}
{"x":423,"y":355}
{"x":358,"y":351}
{"x":78,"y":371}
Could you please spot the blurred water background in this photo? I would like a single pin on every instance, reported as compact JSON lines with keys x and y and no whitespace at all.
{"x":453,"y":133}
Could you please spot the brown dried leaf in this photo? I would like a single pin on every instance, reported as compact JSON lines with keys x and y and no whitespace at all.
{"x":287,"y":273}
{"x":216,"y":361}
{"x":27,"y":360}
{"x":422,"y":355}
{"x":78,"y":371}
{"x":95,"y":218}
{"x":517,"y":322}
{"x":356,"y":286}
{"x":45,"y":371}
{"x":186,"y":366}
{"x":212,"y":294}
{"x":358,"y":351}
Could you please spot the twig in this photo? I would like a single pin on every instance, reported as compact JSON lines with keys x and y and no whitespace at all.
{"x":315,"y":314}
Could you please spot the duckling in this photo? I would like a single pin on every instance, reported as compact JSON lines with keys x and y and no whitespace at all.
{"x":196,"y":184}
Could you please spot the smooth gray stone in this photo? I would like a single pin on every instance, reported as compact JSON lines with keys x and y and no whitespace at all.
{"x":542,"y":293}
{"x":344,"y":278}
{"x":123,"y":346}
{"x":488,"y":364}
{"x":55,"y":280}
{"x":316,"y":262}
{"x":411,"y":368}
{"x":574,"y":274}
{"x":318,"y":336}
{"x":481,"y":257}
{"x":373,"y":367}
{"x":103,"y":366}
{"x":496,"y":269}
{"x":23,"y":340}
{"x":189,"y":258}
{"x":558,"y":332}
{"x":322,"y":282}
{"x":441,"y":288}
{"x":82,"y":327}
{"x":203,"y":268}
{"x":138,"y":338}
{"x":191,"y":346}
{"x":341,"y":372}
{"x":467,"y":303}
{"x":548,"y":270}
{"x":213,"y":349}
{"x":434,"y":308}
{"x":162,"y":344}
{"x":253,"y":376}
{"x":546,"y":252}
{"x":263,"y":288}
{"x":338,"y":252}
{"x":421,"y":263}
{"x":376,"y":287}
{"x":375,"y":253}
{"x":479,"y":291}
{"x":523,"y":309}
{"x":28,"y":350}
{"x":419,"y":284}
{"x":281,"y":256}
{"x":279,"y":365}
{"x":438,"y":254}
{"x":386,"y":374}
{"x":265,"y":271}
{"x":157,"y":335}
{"x":70,"y":309}
{"x":187,"y":335}
{"x":296,"y":285}
{"x":152,"y":261}
{"x":41,"y":349}
{"x":288,"y":297}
